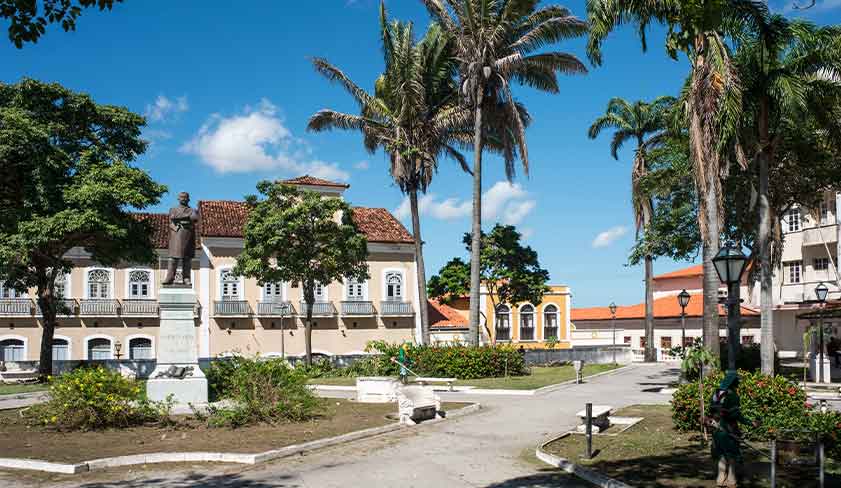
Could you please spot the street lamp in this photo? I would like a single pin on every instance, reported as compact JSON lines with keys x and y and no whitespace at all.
{"x":730,"y":265}
{"x":683,"y":300}
{"x":612,"y":308}
{"x":820,"y":292}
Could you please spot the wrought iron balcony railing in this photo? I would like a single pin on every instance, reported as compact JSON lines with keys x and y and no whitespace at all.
{"x":64,"y":308}
{"x":15,"y":306}
{"x":231,"y":308}
{"x":275,"y":309}
{"x":356,"y":307}
{"x":395,"y":308}
{"x":98,"y":307}
{"x":319,"y":309}
{"x":139,"y":308}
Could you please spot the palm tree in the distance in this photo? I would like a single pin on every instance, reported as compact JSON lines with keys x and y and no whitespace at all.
{"x":646,"y":124}
{"x":497,"y":43}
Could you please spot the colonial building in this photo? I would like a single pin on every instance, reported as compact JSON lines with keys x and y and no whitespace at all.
{"x":112,"y":312}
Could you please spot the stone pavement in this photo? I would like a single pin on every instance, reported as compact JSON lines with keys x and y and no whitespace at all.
{"x":487,"y":449}
{"x":20,"y":400}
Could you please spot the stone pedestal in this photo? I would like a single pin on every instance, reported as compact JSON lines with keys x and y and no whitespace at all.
{"x":177,"y":372}
{"x":827,"y":368}
{"x":376,"y":389}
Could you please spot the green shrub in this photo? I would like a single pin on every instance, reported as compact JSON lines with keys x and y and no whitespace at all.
{"x":457,"y":361}
{"x":94,"y":398}
{"x":262,"y":390}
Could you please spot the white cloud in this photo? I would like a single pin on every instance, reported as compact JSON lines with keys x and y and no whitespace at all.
{"x":256,"y":140}
{"x":800,"y":6}
{"x":609,"y":236}
{"x":362,"y":165}
{"x":503,"y":202}
{"x":163,"y":108}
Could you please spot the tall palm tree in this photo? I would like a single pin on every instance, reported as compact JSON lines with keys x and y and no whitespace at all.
{"x":496,"y":42}
{"x":712,"y":99}
{"x":645,"y":123}
{"x":789,"y":71}
{"x":413,"y":116}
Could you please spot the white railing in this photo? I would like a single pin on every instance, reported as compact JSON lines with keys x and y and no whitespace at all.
{"x":16,"y":306}
{"x":319,"y":309}
{"x":231,"y":308}
{"x":65,"y":307}
{"x":275,"y":309}
{"x":393,"y":307}
{"x":141,"y":308}
{"x":354,"y":307}
{"x":98,"y":307}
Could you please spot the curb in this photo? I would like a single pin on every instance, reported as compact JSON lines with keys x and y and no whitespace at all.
{"x":556,"y":386}
{"x":223,"y":457}
{"x":586,"y":474}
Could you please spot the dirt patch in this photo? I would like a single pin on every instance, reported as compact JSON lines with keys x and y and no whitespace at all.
{"x":338,"y":417}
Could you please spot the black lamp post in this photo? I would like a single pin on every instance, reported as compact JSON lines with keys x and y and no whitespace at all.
{"x":683,"y":300}
{"x":612,"y":308}
{"x":820,"y":293}
{"x":730,"y":265}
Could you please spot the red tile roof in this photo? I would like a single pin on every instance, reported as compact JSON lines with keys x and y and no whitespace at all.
{"x":160,"y":228}
{"x":312,"y":180}
{"x":442,"y":316}
{"x":690,"y":272}
{"x":664,"y":307}
{"x":379,"y":225}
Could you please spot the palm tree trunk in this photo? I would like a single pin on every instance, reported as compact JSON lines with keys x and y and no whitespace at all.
{"x":711,"y":282}
{"x":421,"y":271}
{"x":764,"y":244}
{"x":650,"y":350}
{"x":476,"y":241}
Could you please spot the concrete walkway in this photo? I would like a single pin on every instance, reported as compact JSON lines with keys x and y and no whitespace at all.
{"x":20,"y":400}
{"x":488,"y":449}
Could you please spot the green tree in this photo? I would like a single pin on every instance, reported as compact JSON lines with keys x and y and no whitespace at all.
{"x":295,"y":236}
{"x":29,"y":18}
{"x":498,"y":43}
{"x":646,"y":124}
{"x":67,"y":183}
{"x":413,"y":115}
{"x":712,"y":98}
{"x":510,"y":271}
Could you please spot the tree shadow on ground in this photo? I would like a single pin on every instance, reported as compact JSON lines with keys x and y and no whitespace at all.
{"x":197,"y":480}
{"x":545,"y":478}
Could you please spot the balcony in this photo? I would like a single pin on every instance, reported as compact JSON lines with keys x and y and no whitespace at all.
{"x":275,"y":309}
{"x":818,"y":236}
{"x":16,"y":307}
{"x":358,"y":308}
{"x":393,"y":308}
{"x":231,"y":308}
{"x":139,"y":308}
{"x":319,"y":309}
{"x":98,"y":307}
{"x":66,"y":307}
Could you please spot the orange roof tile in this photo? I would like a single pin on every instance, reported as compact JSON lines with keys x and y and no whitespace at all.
{"x":160,"y":228}
{"x":379,"y":225}
{"x":442,"y":315}
{"x":690,"y":272}
{"x":664,"y":307}
{"x":312,"y":180}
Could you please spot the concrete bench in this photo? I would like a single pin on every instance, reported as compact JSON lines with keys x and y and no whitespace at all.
{"x":18,"y":376}
{"x":423,"y":381}
{"x":601,"y":420}
{"x":416,"y":403}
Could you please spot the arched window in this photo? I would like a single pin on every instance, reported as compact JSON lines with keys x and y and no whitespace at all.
{"x":140,"y":348}
{"x":139,"y":284}
{"x":550,"y":322}
{"x":503,"y":323}
{"x":526,"y":323}
{"x":12,"y":350}
{"x":394,"y":285}
{"x":99,"y":283}
{"x":99,"y":349}
{"x":230,"y":285}
{"x":61,"y":350}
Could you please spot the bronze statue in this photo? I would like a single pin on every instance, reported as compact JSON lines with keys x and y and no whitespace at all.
{"x":182,"y":238}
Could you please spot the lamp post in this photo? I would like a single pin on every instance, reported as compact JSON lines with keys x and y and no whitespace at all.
{"x":683,"y":300}
{"x":612,"y":308}
{"x":117,"y":348}
{"x":820,"y":293}
{"x":730,"y":265}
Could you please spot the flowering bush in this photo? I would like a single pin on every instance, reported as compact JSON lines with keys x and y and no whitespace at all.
{"x":94,"y":398}
{"x":457,"y":361}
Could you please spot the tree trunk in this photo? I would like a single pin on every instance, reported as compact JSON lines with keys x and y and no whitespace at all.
{"x":764,"y":245}
{"x":48,"y":310}
{"x":476,"y":242}
{"x":309,"y":298}
{"x":421,"y":272}
{"x":650,"y":350}
{"x":711,"y":283}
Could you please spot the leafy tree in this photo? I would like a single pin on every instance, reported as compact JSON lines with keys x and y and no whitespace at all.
{"x":295,"y":236}
{"x":699,"y":29}
{"x":413,"y":115}
{"x":497,"y":43}
{"x":645,"y":123}
{"x":510,"y":271}
{"x":29,"y":18}
{"x":67,"y":183}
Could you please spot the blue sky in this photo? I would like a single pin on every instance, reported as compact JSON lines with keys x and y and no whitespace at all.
{"x":227,"y":92}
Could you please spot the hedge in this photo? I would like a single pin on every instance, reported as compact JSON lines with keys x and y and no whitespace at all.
{"x":456,"y":361}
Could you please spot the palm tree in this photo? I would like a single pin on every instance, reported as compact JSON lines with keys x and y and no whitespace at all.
{"x":712,"y":99}
{"x":789,"y":72}
{"x":413,"y":115}
{"x":496,"y":42}
{"x":646,"y":123}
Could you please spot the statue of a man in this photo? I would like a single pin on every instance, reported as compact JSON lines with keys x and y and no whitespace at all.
{"x":182,"y":237}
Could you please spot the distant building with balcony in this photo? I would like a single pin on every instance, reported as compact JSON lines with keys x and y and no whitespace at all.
{"x":106,"y":309}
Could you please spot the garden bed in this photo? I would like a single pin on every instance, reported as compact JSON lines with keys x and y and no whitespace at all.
{"x":13,"y":389}
{"x":653,"y":454}
{"x":338,"y":417}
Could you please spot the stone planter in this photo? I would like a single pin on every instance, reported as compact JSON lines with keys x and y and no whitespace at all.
{"x":796,"y":452}
{"x":376,"y":389}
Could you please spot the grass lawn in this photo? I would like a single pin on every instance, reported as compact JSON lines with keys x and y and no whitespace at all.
{"x":653,"y":454}
{"x":22,"y":388}
{"x":540,"y":376}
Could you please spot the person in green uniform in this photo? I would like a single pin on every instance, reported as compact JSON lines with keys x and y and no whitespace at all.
{"x":725,"y":409}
